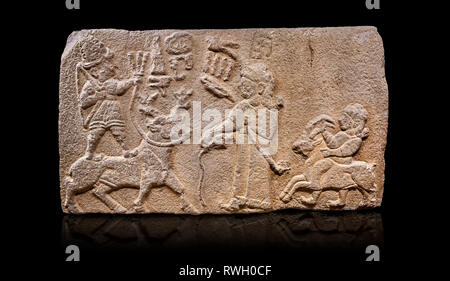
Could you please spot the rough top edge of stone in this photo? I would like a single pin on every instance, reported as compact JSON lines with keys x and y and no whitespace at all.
{"x":77,"y":35}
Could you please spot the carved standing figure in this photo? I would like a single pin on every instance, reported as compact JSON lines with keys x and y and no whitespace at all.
{"x":256,"y":90}
{"x":333,"y":167}
{"x":101,"y":91}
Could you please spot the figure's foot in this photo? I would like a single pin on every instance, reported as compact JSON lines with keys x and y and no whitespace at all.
{"x":91,"y":156}
{"x":232,"y":205}
{"x":266,"y":204}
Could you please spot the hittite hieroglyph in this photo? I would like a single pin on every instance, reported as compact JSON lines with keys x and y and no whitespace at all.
{"x":222,"y":121}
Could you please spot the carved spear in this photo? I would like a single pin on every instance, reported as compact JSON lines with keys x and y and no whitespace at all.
{"x":202,"y":175}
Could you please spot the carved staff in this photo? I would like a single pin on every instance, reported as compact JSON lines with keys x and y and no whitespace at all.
{"x":202,"y":175}
{"x":202,"y":152}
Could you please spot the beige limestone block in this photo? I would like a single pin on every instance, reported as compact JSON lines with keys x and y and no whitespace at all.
{"x":222,"y":121}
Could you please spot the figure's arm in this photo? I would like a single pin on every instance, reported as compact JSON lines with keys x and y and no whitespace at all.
{"x":88,"y":96}
{"x":227,"y":128}
{"x":349,"y":148}
{"x":124,"y":85}
{"x":279,"y":167}
{"x":330,"y":139}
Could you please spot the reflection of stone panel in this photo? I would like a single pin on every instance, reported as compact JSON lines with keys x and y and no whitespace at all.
{"x":167,"y":121}
{"x":291,"y":229}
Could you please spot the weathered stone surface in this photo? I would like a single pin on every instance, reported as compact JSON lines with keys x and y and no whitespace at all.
{"x":222,"y":121}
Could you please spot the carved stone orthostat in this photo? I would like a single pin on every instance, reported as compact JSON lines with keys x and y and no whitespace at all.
{"x":222,"y":121}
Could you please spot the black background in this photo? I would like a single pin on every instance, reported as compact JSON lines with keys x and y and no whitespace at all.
{"x":47,"y":26}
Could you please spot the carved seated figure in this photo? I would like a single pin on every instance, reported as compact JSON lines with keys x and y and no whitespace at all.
{"x":333,"y":166}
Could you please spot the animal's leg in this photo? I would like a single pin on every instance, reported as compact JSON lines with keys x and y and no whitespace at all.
{"x":341,"y":201}
{"x":365,"y":195}
{"x":297,"y":186}
{"x":143,"y":193}
{"x":294,"y":180}
{"x":318,"y":170}
{"x":313,"y":199}
{"x":173,"y":183}
{"x":71,"y":190}
{"x":101,"y":191}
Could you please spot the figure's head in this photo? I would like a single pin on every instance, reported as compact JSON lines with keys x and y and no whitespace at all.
{"x":353,"y":117}
{"x":256,"y":79}
{"x":103,"y":71}
{"x":97,"y":59}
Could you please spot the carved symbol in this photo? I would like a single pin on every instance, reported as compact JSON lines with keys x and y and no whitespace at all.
{"x":158,"y":78}
{"x":179,"y":46}
{"x":179,"y":43}
{"x":175,"y":61}
{"x":333,"y":166}
{"x":218,"y":65}
{"x":157,"y":66}
{"x":215,"y":88}
{"x":160,"y":123}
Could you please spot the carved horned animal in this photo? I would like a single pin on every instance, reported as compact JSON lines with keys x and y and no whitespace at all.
{"x":149,"y":169}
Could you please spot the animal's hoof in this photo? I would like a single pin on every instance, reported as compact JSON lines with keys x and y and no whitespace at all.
{"x":286,"y":198}
{"x":307,"y":201}
{"x":335,"y":203}
{"x":72,"y":209}
{"x":282,"y":194}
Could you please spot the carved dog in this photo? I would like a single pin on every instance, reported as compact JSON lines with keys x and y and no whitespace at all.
{"x":325,"y":174}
